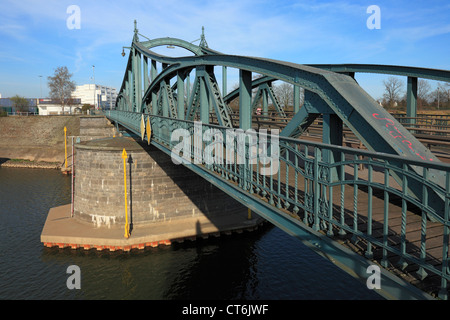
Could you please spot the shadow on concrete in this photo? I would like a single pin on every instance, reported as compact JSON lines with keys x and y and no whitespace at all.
{"x":222,"y":211}
{"x":3,"y":160}
{"x":130,"y":162}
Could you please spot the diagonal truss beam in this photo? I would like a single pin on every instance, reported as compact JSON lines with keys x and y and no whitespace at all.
{"x":338,"y":94}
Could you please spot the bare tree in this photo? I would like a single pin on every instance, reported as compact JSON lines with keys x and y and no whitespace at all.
{"x":285,"y":94}
{"x":441,"y":96}
{"x":393,"y":88}
{"x":61,"y":86}
{"x":423,"y":92}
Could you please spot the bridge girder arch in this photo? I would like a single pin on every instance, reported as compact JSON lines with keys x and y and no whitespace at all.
{"x":335,"y":95}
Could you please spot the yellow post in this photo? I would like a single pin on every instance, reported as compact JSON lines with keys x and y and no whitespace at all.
{"x":124,"y":157}
{"x":65,"y":144}
{"x":249,"y":215}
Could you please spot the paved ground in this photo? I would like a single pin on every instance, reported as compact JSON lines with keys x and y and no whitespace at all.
{"x":62,"y":230}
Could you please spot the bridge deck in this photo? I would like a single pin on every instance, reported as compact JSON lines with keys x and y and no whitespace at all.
{"x":412,"y":223}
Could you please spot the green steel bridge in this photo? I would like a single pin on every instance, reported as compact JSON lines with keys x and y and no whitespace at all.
{"x":386,"y":206}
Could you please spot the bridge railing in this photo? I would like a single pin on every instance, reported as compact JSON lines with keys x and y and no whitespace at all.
{"x":324,"y":187}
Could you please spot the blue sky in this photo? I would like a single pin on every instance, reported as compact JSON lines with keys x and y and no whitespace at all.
{"x":35,"y":39}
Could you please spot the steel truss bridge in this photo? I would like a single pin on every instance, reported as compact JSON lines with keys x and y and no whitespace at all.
{"x":388,"y":205}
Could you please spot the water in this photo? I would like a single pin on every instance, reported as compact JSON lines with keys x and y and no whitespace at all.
{"x":266,"y":264}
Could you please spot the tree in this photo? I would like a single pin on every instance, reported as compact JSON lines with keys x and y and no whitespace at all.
{"x":423,"y":92}
{"x":441,"y":95}
{"x":285,"y":94}
{"x":61,"y":86}
{"x":20,"y":103}
{"x":393,"y":88}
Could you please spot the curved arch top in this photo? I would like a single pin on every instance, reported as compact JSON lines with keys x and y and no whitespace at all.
{"x":197,"y":50}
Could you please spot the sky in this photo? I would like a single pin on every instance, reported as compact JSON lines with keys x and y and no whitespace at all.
{"x":37,"y":36}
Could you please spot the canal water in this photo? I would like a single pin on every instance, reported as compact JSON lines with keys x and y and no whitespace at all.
{"x":267,"y":264}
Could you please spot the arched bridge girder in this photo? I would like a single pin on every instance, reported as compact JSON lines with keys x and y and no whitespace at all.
{"x":337,"y":96}
{"x":340,"y":94}
{"x":424,"y":73}
{"x":196,"y":50}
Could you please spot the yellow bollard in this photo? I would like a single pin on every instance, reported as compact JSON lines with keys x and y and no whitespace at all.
{"x":65,"y":144}
{"x":124,"y":157}
{"x":249,"y":215}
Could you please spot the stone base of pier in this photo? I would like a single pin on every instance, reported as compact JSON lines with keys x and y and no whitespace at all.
{"x":61,"y":230}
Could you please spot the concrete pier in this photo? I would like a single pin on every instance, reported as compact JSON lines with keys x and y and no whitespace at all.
{"x":60,"y":230}
{"x":166,"y":202}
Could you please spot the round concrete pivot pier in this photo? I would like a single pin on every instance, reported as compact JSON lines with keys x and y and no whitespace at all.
{"x":99,"y":186}
{"x":166,"y":202}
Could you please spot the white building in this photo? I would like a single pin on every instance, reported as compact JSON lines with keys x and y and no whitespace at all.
{"x":103,"y":97}
{"x":48,"y":107}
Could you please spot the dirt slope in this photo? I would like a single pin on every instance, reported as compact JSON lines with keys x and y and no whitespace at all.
{"x":36,"y":138}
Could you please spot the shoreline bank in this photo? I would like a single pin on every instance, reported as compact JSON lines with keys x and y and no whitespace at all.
{"x":18,"y":163}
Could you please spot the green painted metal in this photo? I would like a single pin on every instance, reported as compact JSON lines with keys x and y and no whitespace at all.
{"x":340,"y":94}
{"x":305,"y":213}
{"x":424,"y":73}
{"x":322,"y":167}
{"x":412,"y":73}
{"x":245,"y":92}
{"x":411,"y":99}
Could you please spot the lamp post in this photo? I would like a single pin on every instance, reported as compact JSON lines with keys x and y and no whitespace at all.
{"x":93,"y":72}
{"x":41,"y":85}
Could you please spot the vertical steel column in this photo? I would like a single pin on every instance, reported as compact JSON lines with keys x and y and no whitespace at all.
{"x":332,"y":134}
{"x":265,"y":99}
{"x":131,"y":87}
{"x":204,"y":97}
{"x":127,"y":92}
{"x":296,"y":98}
{"x":138,"y":80}
{"x":224,"y":81}
{"x":146,"y":79}
{"x":188,"y":88}
{"x":153,"y":74}
{"x":245,"y":99}
{"x":164,"y":94}
{"x":180,"y":96}
{"x":411,"y":99}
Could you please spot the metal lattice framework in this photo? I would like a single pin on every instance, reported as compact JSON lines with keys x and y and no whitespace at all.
{"x":405,"y":167}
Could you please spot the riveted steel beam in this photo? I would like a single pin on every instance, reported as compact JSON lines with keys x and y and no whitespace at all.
{"x":424,"y":73}
{"x":373,"y":125}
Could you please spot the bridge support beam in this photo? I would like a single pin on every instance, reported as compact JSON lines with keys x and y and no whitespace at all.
{"x":204,"y":99}
{"x":180,"y":96}
{"x":411,"y":99}
{"x":245,"y":99}
{"x":224,"y":80}
{"x":153,"y":75}
{"x":146,"y":79}
{"x":332,"y":134}
{"x":130,"y":89}
{"x":137,"y":81}
{"x":296,"y":98}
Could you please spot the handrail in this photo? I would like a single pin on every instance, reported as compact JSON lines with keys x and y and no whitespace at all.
{"x":314,"y":205}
